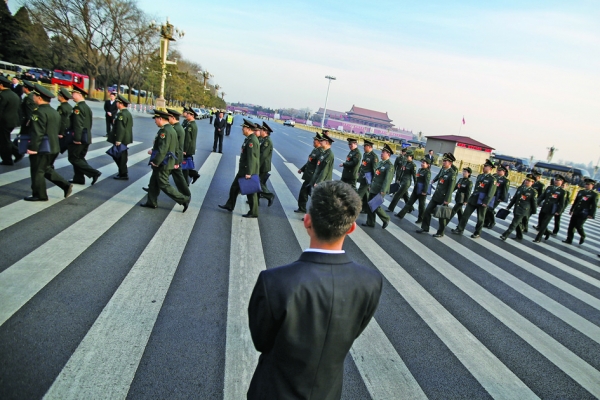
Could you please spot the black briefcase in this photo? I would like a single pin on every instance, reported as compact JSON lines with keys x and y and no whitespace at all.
{"x":502,"y":213}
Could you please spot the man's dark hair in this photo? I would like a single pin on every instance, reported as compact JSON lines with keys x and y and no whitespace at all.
{"x":335,"y":205}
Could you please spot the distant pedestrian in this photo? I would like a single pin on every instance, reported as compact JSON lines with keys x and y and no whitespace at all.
{"x":110,"y":111}
{"x":219,"y":125}
{"x":229,"y":123}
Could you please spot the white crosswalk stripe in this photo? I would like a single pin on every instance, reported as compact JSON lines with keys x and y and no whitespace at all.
{"x":562,"y":282}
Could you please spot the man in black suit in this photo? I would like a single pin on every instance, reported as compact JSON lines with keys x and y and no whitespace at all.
{"x":220,"y":124}
{"x":16,"y":86}
{"x":9,"y":119}
{"x":429,"y":157}
{"x":110,"y":110}
{"x":305,"y":316}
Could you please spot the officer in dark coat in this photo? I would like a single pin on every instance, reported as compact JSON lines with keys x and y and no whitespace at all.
{"x":177,"y":174}
{"x":352,"y":164}
{"x":164,"y":148}
{"x":441,"y":196}
{"x":266,"y":155}
{"x":189,"y":146}
{"x":81,"y":122}
{"x":324,"y":170}
{"x":420,"y":188}
{"x":44,"y":127}
{"x":538,"y":186}
{"x":110,"y":111}
{"x":525,"y":202}
{"x":27,"y":106}
{"x":463,"y":189}
{"x":9,"y":119}
{"x":380,"y":186}
{"x":220,"y":125}
{"x":406,"y":171}
{"x":122,"y":133}
{"x":558,"y":217}
{"x":552,"y":203}
{"x":307,"y":171}
{"x":366,"y":173}
{"x":583,"y":208}
{"x":430,"y":158}
{"x":501,"y":195}
{"x":305,"y":316}
{"x":483,"y":194}
{"x":249,"y":165}
{"x":64,"y":110}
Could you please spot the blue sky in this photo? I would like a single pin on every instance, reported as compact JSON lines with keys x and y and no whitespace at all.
{"x":525,"y":74}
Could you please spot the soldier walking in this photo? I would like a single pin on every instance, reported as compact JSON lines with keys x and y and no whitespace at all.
{"x":463,"y":188}
{"x":366,"y":172}
{"x":552,"y":203}
{"x":380,"y":186}
{"x":525,"y":202}
{"x":324,"y":170}
{"x":9,"y":119}
{"x":189,"y":146}
{"x":307,"y":171}
{"x":501,"y":195}
{"x":81,"y":123}
{"x":352,"y":164}
{"x":406,"y":171}
{"x":122,"y":133}
{"x":423,"y":178}
{"x":441,"y":196}
{"x":583,"y":208}
{"x":266,"y":155}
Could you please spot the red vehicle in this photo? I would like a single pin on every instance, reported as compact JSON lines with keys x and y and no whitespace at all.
{"x":68,"y":78}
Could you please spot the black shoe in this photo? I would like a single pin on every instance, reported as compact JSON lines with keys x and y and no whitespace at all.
{"x":249,"y":216}
{"x":475,"y":236}
{"x":185,"y":206}
{"x":6,"y":163}
{"x":145,"y":189}
{"x":76,"y":183}
{"x":147,"y":205}
{"x":491,"y":226}
{"x":95,"y":178}
{"x":456,"y":231}
{"x":18,"y":158}
{"x":226,"y":208}
{"x":419,"y":220}
{"x":567,"y":241}
{"x":581,"y":240}
{"x":547,"y":236}
{"x":438,"y":235}
{"x":121,"y":178}
{"x":31,"y":198}
{"x":68,"y":191}
{"x":554,"y":234}
{"x":385,"y":224}
{"x":519,"y":237}
{"x":537,"y":228}
{"x":365,"y":224}
{"x":536,"y":241}
{"x":502,"y":237}
{"x":299,"y":211}
{"x":422,"y":230}
{"x":194,"y":179}
{"x":525,"y":230}
{"x":399,"y":216}
{"x":270,"y":201}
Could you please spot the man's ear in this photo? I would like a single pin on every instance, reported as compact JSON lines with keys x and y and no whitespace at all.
{"x":351,"y":229}
{"x":307,"y":222}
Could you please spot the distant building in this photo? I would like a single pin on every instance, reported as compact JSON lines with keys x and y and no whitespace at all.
{"x":463,"y":147}
{"x":368,"y":117}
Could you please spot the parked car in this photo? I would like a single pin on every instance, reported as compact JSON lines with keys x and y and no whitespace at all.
{"x":198,"y":112}
{"x":289,"y":122}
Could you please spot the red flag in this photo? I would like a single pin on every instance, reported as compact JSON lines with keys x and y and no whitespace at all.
{"x":463,"y":120}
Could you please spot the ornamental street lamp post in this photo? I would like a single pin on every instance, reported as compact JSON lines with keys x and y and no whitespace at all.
{"x":331,"y":78}
{"x":167,"y":33}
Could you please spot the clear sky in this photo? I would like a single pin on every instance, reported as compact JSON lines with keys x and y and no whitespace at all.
{"x":524,"y":74}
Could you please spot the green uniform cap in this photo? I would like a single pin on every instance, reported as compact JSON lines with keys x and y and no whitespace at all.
{"x":80,"y":90}
{"x":173,"y":113}
{"x":160,"y":114}
{"x":65,"y":93}
{"x":43,"y":92}
{"x":490,"y":163}
{"x":121,"y":99}
{"x":266,"y":127}
{"x":4,"y":81}
{"x":386,"y":147}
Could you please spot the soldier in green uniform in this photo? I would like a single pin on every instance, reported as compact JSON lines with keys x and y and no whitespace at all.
{"x":45,"y":125}
{"x":552,"y":203}
{"x":27,"y":106}
{"x":380,"y":186}
{"x":406,"y":171}
{"x":441,"y":196}
{"x":249,"y":165}
{"x":583,"y":208}
{"x":176,"y":172}
{"x":64,"y":110}
{"x":423,"y":178}
{"x":81,"y":122}
{"x":366,"y":172}
{"x":352,"y":164}
{"x":266,"y":154}
{"x":122,"y":133}
{"x":189,"y":146}
{"x":9,"y":119}
{"x":501,"y":195}
{"x":463,"y":188}
{"x":324,"y":170}
{"x":307,"y":171}
{"x":485,"y":188}
{"x":525,"y":202}
{"x":162,"y":161}
{"x":538,"y":186}
{"x":558,"y":217}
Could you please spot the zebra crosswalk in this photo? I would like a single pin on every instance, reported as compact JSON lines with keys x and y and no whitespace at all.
{"x":458,"y":318}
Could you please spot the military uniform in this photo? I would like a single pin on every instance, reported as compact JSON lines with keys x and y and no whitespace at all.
{"x":367,"y":166}
{"x":324,"y":170}
{"x":249,"y":165}
{"x":350,"y":167}
{"x":463,"y":188}
{"x":189,"y":146}
{"x":583,"y":208}
{"x":553,"y":200}
{"x":308,"y":170}
{"x":122,"y":132}
{"x":45,"y":121}
{"x":27,"y":108}
{"x":485,"y":188}
{"x":423,"y":178}
{"x":558,"y":217}
{"x":177,"y":174}
{"x":81,"y":122}
{"x":266,"y":155}
{"x":384,"y":174}
{"x":405,"y":172}
{"x":525,"y":202}
{"x":501,"y":195}
{"x":9,"y":119}
{"x":64,"y":110}
{"x":441,"y":196}
{"x":538,"y":186}
{"x":165,"y":142}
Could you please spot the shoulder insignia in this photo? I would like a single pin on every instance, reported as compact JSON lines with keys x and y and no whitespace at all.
{"x":76,"y":111}
{"x":34,"y":117}
{"x":121,"y":117}
{"x":250,"y":145}
{"x":162,"y":135}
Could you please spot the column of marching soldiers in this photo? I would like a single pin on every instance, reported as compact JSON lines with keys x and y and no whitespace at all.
{"x":46,"y":132}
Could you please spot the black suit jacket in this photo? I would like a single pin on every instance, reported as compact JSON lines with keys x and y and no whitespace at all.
{"x":303,"y":319}
{"x":110,"y":108}
{"x":220,"y":125}
{"x":18,"y":90}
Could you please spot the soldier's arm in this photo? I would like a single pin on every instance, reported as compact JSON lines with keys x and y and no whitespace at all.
{"x":593,"y":206}
{"x":119,"y":126}
{"x":389,"y":175}
{"x":451,"y":184}
{"x":163,"y":148}
{"x":534,"y":203}
{"x":38,"y":123}
{"x":77,"y":122}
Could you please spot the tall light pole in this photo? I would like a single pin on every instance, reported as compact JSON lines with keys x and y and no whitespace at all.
{"x":331,"y":78}
{"x":167,"y":33}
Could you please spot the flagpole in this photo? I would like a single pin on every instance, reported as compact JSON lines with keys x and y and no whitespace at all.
{"x":461,"y":124}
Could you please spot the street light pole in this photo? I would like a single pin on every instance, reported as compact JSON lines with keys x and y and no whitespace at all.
{"x":167,"y":33}
{"x":331,"y":78}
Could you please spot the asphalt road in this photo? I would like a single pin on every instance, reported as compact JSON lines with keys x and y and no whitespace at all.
{"x":101,"y":298}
